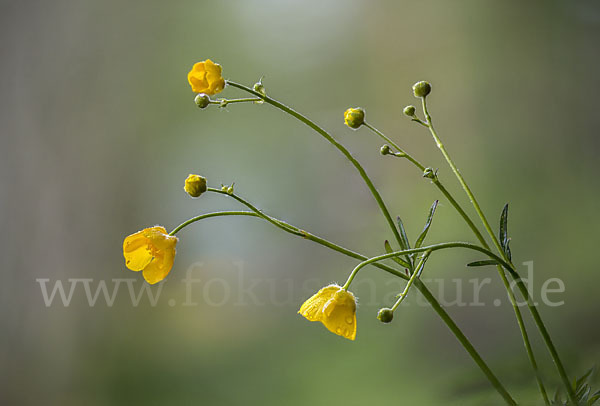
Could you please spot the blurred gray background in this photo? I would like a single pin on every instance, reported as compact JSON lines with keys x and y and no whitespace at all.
{"x":99,"y":130}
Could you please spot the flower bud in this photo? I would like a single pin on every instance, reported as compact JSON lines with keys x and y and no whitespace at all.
{"x":430,"y":173}
{"x":421,"y":89}
{"x":230,"y":190}
{"x":354,"y":117}
{"x":202,"y":100}
{"x":409,"y":111}
{"x":385,"y":149}
{"x":260,"y":88}
{"x":195,"y":185}
{"x":385,"y":315}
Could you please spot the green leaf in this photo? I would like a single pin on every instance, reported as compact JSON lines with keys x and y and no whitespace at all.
{"x":397,"y":259}
{"x":404,"y":244}
{"x":423,"y":234}
{"x":582,"y":379}
{"x":484,"y":262}
{"x":594,"y":398}
{"x":504,"y":227}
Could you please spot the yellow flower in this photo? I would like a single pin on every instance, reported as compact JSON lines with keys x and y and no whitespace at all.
{"x":205,"y":77}
{"x":195,"y":185}
{"x":354,"y":117}
{"x":335,"y":308}
{"x":151,"y":250}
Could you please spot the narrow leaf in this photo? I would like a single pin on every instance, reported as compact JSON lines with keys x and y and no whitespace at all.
{"x":405,"y":245}
{"x":484,"y":262}
{"x":582,"y":379}
{"x":427,"y":225}
{"x":397,"y":259}
{"x":504,"y":227}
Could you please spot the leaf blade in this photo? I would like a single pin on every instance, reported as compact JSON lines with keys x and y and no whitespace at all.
{"x":484,"y":262}
{"x":397,"y":259}
{"x":423,"y":234}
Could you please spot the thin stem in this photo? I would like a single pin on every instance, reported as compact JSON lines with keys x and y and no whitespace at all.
{"x":458,"y":175}
{"x":276,"y":223}
{"x":413,"y":277}
{"x":434,"y":247}
{"x":536,"y":316}
{"x":393,"y":144}
{"x":483,"y":242}
{"x":418,"y":284}
{"x":335,"y":143}
{"x":230,"y":101}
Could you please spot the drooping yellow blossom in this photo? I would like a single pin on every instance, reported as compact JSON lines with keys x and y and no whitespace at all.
{"x":335,"y":308}
{"x":205,"y":77}
{"x":151,"y":250}
{"x":195,"y":185}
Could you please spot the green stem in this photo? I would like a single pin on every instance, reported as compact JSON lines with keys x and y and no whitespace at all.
{"x":231,"y":101}
{"x":335,"y":143}
{"x":413,"y":277}
{"x":393,"y":144}
{"x":352,"y":254}
{"x":434,"y":247}
{"x":536,"y":316}
{"x":483,"y":242}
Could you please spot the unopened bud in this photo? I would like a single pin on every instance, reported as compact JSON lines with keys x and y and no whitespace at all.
{"x":409,"y":111}
{"x":385,"y":315}
{"x":421,"y":89}
{"x":195,"y":185}
{"x":202,"y":100}
{"x":354,"y":117}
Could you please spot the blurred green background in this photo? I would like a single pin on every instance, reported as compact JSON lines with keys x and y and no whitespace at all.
{"x":99,"y":130}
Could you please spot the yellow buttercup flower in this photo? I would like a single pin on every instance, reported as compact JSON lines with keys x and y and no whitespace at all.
{"x":151,"y":250}
{"x":205,"y":77}
{"x":335,"y":308}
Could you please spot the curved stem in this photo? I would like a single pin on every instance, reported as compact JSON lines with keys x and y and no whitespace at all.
{"x":335,"y":143}
{"x":536,"y":316}
{"x":418,"y":284}
{"x":434,"y":247}
{"x":393,"y":144}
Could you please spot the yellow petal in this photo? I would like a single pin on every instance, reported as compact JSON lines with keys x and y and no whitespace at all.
{"x":312,"y":309}
{"x":161,"y":265}
{"x":136,"y":251}
{"x":205,"y":77}
{"x":339,"y":315}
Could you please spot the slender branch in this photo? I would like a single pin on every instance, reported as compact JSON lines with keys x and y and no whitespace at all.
{"x":335,"y":143}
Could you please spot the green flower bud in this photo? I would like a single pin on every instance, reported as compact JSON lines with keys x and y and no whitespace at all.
{"x":385,"y":149}
{"x":354,"y":117}
{"x":409,"y":111}
{"x":195,"y":185}
{"x":260,"y":88}
{"x":421,"y":89}
{"x":385,"y":315}
{"x":430,"y":173}
{"x":230,"y":190}
{"x":202,"y":100}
